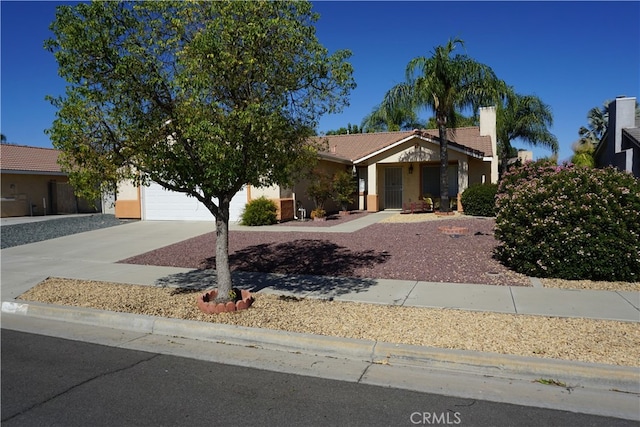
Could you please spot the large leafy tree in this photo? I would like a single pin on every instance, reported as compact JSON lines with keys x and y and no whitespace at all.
{"x":445,"y":83}
{"x":523,"y":117}
{"x":200,"y":97}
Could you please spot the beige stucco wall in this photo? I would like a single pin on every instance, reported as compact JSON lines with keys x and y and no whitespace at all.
{"x":479,"y":171}
{"x":272,"y":192}
{"x":300,"y":188}
{"x":128,"y":204}
{"x":21,"y":191}
{"x":417,"y":152}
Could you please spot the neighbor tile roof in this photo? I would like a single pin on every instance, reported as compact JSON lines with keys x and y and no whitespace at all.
{"x":358,"y":145}
{"x":28,"y":159}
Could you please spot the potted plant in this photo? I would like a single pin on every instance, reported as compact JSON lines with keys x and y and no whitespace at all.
{"x":319,"y":214}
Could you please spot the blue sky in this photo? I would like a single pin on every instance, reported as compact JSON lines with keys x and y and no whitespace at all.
{"x":573,"y":55}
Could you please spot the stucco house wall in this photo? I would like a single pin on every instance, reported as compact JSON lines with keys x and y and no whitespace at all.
{"x":25,"y":194}
{"x":34,"y":184}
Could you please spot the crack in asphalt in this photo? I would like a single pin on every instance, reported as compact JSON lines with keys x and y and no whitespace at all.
{"x":75,"y":386}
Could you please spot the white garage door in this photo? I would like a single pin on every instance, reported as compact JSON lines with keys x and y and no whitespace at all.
{"x":159,"y":204}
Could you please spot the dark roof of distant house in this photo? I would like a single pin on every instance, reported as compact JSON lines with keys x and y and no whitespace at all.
{"x":23,"y":158}
{"x":359,"y":145}
{"x":633,"y":133}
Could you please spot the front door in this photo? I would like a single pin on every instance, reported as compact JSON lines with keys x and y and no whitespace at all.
{"x":393,"y":188}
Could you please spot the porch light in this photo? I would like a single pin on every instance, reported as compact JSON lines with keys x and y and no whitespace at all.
{"x":410,"y":168}
{"x":354,"y":171}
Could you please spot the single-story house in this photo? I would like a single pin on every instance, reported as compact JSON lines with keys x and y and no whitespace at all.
{"x":34,"y":184}
{"x":391,"y":169}
{"x":620,"y":145}
{"x":396,"y":168}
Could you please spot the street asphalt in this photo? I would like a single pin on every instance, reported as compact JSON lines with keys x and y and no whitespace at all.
{"x":591,"y":388}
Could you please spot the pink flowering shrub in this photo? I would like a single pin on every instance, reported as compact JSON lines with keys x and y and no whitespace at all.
{"x":569,"y":222}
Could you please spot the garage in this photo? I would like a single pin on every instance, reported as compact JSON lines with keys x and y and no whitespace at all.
{"x":159,"y":204}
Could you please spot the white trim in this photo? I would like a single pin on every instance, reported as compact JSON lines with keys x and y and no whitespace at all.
{"x":468,"y":152}
{"x":388,"y":147}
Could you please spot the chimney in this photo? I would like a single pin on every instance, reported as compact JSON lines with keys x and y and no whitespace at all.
{"x":488,"y":128}
{"x":622,"y":115}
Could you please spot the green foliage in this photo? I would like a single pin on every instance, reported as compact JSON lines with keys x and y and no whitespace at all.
{"x":569,"y":222}
{"x":320,"y":189}
{"x":583,"y":152}
{"x":318,"y":213}
{"x":261,"y":211}
{"x":480,"y":200}
{"x":526,"y":118}
{"x":350,"y":129}
{"x":344,"y":187}
{"x":200,"y":97}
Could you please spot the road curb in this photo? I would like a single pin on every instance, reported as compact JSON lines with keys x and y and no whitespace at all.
{"x":573,"y":374}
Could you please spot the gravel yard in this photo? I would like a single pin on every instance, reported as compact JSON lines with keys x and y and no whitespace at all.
{"x":388,"y":250}
{"x":404,"y":246}
{"x":598,"y":341}
{"x":22,"y":234}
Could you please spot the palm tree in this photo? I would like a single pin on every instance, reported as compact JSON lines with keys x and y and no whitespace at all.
{"x":525,"y":117}
{"x":3,"y":138}
{"x":598,"y":121}
{"x":386,"y":118}
{"x":444,"y":83}
{"x":461,"y":121}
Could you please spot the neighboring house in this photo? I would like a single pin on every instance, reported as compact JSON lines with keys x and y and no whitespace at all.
{"x":391,"y":168}
{"x":34,"y":184}
{"x":523,"y":157}
{"x":620,"y":145}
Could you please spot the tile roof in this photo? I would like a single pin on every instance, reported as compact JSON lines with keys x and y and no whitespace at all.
{"x":28,"y":159}
{"x":356,"y":146}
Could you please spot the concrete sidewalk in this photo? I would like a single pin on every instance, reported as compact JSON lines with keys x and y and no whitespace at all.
{"x":94,"y":255}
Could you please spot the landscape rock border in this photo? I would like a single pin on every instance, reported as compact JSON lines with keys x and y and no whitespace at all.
{"x":207,"y":302}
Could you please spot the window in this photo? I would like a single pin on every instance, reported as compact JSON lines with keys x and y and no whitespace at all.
{"x":431,"y":180}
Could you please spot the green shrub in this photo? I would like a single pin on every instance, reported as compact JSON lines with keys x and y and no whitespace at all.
{"x":569,"y":223}
{"x":320,"y":188}
{"x":480,"y":200}
{"x":344,"y":187}
{"x":260,"y":211}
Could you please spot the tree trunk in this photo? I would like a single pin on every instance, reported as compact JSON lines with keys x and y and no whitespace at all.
{"x":223,"y":272}
{"x":444,"y":166}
